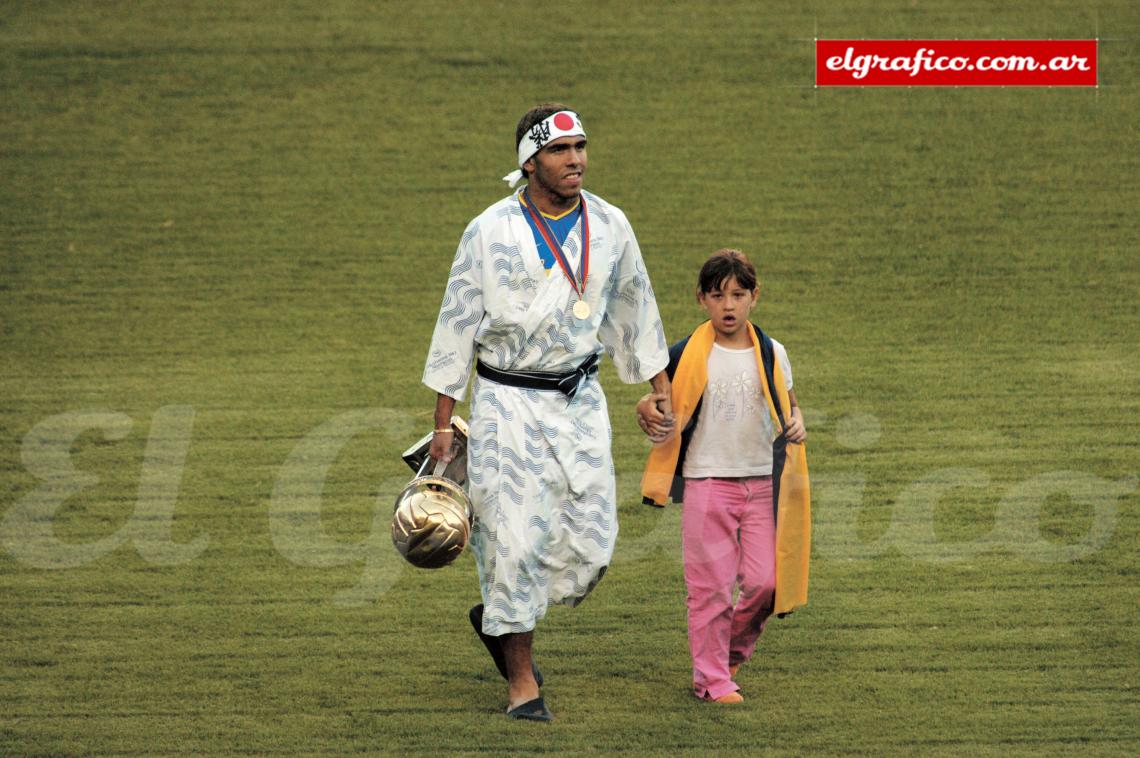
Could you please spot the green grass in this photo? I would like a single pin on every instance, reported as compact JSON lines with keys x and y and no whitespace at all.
{"x":224,"y":234}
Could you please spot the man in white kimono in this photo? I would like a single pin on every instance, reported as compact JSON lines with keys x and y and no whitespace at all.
{"x":542,"y":281}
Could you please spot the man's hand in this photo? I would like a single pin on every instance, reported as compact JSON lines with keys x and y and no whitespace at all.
{"x":440,"y":449}
{"x":655,"y":416}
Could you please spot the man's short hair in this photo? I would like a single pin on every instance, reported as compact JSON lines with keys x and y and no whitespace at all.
{"x":535,"y":115}
{"x":723,"y":265}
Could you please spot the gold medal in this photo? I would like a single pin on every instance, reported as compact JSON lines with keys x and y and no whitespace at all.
{"x":581,"y":308}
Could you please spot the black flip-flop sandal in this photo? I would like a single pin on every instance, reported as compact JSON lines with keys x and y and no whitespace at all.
{"x":494,"y":647}
{"x":532,"y":710}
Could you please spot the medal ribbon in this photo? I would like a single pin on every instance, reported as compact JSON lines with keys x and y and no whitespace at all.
{"x":579,"y":282}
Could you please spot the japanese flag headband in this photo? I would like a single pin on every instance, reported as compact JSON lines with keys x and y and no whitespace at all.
{"x":560,"y":124}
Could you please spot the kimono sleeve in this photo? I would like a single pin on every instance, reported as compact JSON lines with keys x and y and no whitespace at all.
{"x":631,"y":328}
{"x":453,"y":341}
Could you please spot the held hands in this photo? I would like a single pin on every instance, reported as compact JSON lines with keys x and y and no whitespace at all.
{"x":655,"y":416}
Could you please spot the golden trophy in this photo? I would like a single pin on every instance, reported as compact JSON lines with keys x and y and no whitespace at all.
{"x":432,"y":519}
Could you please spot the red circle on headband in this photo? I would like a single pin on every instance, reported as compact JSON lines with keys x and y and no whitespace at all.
{"x":563,"y":121}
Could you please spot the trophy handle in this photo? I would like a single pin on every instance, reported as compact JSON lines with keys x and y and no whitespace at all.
{"x":440,"y":467}
{"x":428,"y":460}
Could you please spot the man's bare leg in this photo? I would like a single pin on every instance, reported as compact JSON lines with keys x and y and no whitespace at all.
{"x":520,"y":667}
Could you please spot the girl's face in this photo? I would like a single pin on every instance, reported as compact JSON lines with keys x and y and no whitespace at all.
{"x":728,"y":307}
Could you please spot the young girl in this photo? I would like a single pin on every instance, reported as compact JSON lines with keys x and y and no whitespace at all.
{"x":739,"y":466}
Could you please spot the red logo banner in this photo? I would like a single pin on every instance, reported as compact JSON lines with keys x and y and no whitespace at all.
{"x":955,"y":63}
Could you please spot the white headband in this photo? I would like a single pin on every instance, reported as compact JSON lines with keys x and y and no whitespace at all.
{"x":560,"y":124}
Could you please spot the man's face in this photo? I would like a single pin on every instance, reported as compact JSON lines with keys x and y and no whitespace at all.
{"x":559,"y":167}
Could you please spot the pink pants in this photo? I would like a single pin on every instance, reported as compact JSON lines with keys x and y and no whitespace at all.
{"x":728,"y":533}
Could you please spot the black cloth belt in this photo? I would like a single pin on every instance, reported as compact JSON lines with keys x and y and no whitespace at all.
{"x":567,"y":383}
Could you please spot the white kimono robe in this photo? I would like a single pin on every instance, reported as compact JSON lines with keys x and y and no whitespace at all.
{"x":540,"y":471}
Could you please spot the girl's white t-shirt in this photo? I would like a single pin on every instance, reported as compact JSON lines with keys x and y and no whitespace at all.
{"x":734,"y":432}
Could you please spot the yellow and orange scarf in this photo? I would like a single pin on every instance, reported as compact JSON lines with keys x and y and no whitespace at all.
{"x":793,"y":509}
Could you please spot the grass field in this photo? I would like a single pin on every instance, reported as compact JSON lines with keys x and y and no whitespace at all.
{"x":225,"y":229}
